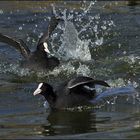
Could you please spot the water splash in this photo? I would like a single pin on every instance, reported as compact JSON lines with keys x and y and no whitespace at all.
{"x":83,"y":70}
{"x":14,"y":69}
{"x":131,"y":59}
{"x":111,"y":95}
{"x":80,"y":32}
{"x":72,"y":47}
{"x":127,"y":90}
{"x":75,"y":41}
{"x":64,"y":70}
{"x":1,"y":11}
{"x":87,"y":8}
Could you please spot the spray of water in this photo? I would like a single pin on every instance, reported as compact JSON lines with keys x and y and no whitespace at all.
{"x":72,"y":47}
{"x":75,"y":43}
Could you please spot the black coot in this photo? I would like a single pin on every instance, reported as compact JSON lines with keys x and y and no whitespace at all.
{"x":75,"y":92}
{"x":40,"y":57}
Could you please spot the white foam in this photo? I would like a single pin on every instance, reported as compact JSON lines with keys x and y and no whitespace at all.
{"x":72,"y":47}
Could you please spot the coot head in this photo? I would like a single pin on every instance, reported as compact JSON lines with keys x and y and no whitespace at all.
{"x":43,"y":47}
{"x":47,"y":91}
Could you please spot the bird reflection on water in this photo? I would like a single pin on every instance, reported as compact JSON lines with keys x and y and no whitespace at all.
{"x":66,"y":122}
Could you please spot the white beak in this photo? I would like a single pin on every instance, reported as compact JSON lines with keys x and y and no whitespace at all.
{"x":46,"y":47}
{"x":38,"y":90}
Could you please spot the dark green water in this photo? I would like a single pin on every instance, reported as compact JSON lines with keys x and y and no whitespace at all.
{"x":112,"y":32}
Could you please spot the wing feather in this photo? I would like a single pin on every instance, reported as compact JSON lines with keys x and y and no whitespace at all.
{"x":18,"y":45}
{"x":82,"y":80}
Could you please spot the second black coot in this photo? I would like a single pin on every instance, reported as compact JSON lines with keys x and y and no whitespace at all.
{"x":75,"y":92}
{"x":40,"y":57}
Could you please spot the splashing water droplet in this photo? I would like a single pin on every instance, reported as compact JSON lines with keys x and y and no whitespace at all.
{"x":20,"y":28}
{"x":99,"y":41}
{"x":1,"y":11}
{"x":72,"y":47}
{"x":83,"y":70}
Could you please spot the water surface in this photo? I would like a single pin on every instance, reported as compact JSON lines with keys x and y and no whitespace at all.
{"x":98,"y":39}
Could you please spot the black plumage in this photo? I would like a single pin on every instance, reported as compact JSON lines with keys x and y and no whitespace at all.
{"x":40,"y":57}
{"x":75,"y":92}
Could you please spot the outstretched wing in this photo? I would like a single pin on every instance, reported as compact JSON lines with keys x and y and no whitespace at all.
{"x":18,"y":45}
{"x":51,"y":27}
{"x":80,"y":80}
{"x":83,"y":80}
